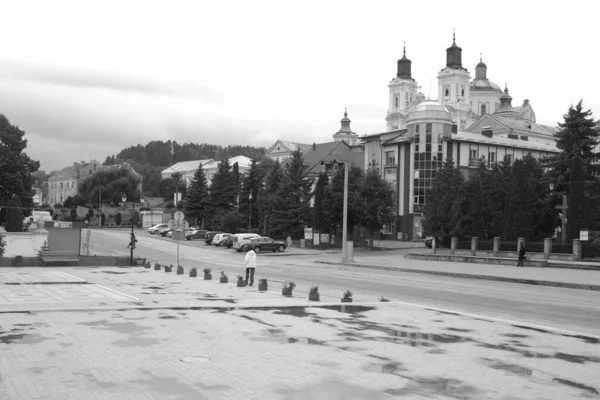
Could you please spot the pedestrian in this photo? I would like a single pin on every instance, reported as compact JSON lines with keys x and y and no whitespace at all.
{"x":289,"y":242}
{"x":250,"y":265}
{"x":521,"y":262}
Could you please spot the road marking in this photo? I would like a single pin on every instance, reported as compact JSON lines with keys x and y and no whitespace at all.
{"x":115,"y":291}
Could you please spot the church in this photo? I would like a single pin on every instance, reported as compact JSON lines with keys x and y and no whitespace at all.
{"x":472,"y":121}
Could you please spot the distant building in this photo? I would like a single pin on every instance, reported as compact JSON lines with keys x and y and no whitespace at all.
{"x":64,"y":183}
{"x":282,"y":149}
{"x":187,"y":169}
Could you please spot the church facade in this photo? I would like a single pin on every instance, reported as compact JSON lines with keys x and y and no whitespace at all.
{"x":471,"y":122}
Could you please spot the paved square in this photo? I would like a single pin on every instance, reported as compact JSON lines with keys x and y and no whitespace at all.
{"x":38,"y":277}
{"x":40,"y":294}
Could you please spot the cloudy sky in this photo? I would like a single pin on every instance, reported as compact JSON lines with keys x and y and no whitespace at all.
{"x":86,"y":79}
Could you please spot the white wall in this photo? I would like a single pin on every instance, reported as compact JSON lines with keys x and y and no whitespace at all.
{"x":26,"y":244}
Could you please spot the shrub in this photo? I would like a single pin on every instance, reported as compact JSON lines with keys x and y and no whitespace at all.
{"x":314,"y":289}
{"x":58,"y":205}
{"x":289,"y":285}
{"x":223,"y":274}
{"x":207,"y":270}
{"x":2,"y":246}
{"x":263,"y":281}
{"x":240,"y":278}
{"x":347,"y":294}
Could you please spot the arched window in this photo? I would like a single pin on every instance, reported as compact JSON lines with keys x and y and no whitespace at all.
{"x":396,"y":102}
{"x":483,"y":109}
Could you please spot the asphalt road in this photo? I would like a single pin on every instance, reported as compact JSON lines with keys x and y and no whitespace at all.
{"x":567,"y":309}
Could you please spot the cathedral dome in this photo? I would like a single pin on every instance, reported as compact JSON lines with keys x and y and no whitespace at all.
{"x":480,"y":85}
{"x":429,"y":111}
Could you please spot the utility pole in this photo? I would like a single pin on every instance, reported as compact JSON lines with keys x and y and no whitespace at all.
{"x":345,"y":223}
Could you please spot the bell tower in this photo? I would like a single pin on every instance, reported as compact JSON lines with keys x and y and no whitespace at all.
{"x":402,"y":93}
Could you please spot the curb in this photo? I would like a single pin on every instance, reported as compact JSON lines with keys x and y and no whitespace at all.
{"x":471,"y":276}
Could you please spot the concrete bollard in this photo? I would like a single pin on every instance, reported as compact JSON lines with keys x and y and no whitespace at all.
{"x":547,"y":247}
{"x":474,"y":245}
{"x":453,"y":244}
{"x":576,"y":249}
{"x":496,"y":246}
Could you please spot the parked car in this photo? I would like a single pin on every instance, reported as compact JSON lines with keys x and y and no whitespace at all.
{"x":154,"y":230}
{"x":192,"y":234}
{"x":208,"y":237}
{"x":240,"y":239}
{"x":264,"y":244}
{"x":228,"y":242}
{"x":163,"y":231}
{"x":219,"y":239}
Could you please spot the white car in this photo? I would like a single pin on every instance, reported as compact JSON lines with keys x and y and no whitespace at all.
{"x":219,"y":239}
{"x":153,"y":230}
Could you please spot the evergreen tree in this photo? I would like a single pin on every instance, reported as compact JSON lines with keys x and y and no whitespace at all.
{"x":269,"y":195}
{"x":251,"y":186}
{"x":14,"y":215}
{"x":16,"y":168}
{"x":333,"y":203}
{"x":519,"y":217}
{"x":2,"y":246}
{"x":222,"y":197}
{"x":198,"y":197}
{"x":291,"y":209}
{"x":378,"y":197}
{"x":577,"y":139}
{"x":446,"y":207}
{"x":321,"y":221}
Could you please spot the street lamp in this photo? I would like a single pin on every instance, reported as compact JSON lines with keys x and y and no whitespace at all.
{"x":132,"y":239}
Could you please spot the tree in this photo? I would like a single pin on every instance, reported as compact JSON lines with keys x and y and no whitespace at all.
{"x":198,"y":197}
{"x":222,"y":193}
{"x":16,"y":168}
{"x":269,"y":195}
{"x":333,"y":203}
{"x":251,"y":186}
{"x":109,"y":185}
{"x":378,"y":199}
{"x":321,"y":221}
{"x":577,"y":139}
{"x":446,"y":207}
{"x":14,"y":215}
{"x":291,"y":206}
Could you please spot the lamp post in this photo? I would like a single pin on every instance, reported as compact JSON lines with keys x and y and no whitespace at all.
{"x":132,"y":239}
{"x":345,"y":219}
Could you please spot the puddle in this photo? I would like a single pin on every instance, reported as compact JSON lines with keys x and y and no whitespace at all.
{"x":113,"y":272}
{"x":167,"y":317}
{"x":330,"y":389}
{"x":22,"y":338}
{"x":576,"y":385}
{"x":574,"y":358}
{"x":515,"y":335}
{"x":459,"y":330}
{"x":195,"y":359}
{"x":428,"y":387}
{"x":163,"y":387}
{"x":255,"y":320}
{"x":136,"y":342}
{"x":294,"y":311}
{"x":515,"y":369}
{"x":389,"y":368}
{"x":232,"y":301}
{"x":532,"y":328}
{"x":586,"y":339}
{"x":121,"y":327}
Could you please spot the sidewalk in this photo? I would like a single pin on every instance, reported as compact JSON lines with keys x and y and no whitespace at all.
{"x":548,"y":276}
{"x":188,"y":338}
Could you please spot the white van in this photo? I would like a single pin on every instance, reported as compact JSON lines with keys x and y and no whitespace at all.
{"x":239,"y":239}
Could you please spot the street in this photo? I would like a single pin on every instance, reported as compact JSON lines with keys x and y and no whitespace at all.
{"x":566,"y":309}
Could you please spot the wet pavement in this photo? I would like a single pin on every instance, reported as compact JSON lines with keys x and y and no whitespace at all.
{"x":187,"y":338}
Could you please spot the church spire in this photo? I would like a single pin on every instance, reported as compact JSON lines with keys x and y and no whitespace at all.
{"x":454,"y":54}
{"x":345,"y":134}
{"x":404,"y":66}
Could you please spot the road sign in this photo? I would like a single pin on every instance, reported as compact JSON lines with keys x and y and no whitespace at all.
{"x":181,"y":225}
{"x":584,"y":235}
{"x":178,"y":216}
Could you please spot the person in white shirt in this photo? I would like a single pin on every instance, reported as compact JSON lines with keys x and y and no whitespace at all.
{"x":250,"y":265}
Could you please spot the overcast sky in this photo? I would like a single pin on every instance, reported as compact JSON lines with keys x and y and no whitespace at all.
{"x":86,"y":79}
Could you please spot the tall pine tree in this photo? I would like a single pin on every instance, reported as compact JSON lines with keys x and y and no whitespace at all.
{"x":378,"y":197}
{"x":291,"y":210}
{"x":251,"y":187}
{"x":320,"y":221}
{"x":269,"y":196}
{"x":198,"y":197}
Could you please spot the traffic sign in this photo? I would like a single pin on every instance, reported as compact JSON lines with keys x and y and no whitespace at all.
{"x":182,"y":225}
{"x":178,"y":216}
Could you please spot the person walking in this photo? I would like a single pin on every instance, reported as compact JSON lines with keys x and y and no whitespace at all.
{"x":289,"y":242}
{"x":250,"y":265}
{"x":521,"y":262}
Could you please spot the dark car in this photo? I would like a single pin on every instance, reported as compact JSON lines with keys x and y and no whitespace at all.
{"x":264,"y":244}
{"x":208,"y":237}
{"x":192,"y":234}
{"x":228,"y":242}
{"x":164,"y":231}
